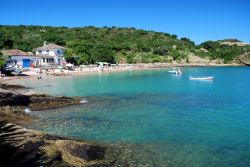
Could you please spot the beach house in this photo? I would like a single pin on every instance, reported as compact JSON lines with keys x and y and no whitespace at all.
{"x":50,"y":54}
{"x":18,"y":57}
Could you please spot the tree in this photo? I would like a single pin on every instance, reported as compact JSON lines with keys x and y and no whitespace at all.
{"x":103,"y":54}
{"x":174,"y":36}
{"x":130,"y":58}
{"x":70,"y":56}
{"x":8,"y":43}
{"x":185,"y":39}
{"x":175,"y":54}
{"x":83,"y":59}
{"x":2,"y":61}
{"x":209,"y":45}
{"x":161,"y":50}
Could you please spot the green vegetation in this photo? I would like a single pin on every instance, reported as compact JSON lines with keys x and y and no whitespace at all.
{"x":230,"y":40}
{"x":217,"y":50}
{"x":116,"y":45}
{"x":2,"y":62}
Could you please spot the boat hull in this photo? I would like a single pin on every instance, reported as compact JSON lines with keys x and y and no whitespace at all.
{"x":172,"y":72}
{"x":201,"y":78}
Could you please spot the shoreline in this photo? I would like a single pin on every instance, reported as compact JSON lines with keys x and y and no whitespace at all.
{"x":32,"y":72}
{"x":17,"y":101}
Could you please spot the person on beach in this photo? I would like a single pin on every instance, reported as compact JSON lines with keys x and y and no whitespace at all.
{"x":101,"y":67}
{"x":40,"y":74}
{"x":47,"y":71}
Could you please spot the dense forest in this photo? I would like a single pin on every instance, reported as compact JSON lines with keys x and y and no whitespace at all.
{"x":87,"y":45}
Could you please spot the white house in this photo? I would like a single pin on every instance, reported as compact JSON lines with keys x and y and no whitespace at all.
{"x":18,"y":57}
{"x":50,"y":54}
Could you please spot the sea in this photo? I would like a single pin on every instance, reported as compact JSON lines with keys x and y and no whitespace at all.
{"x":164,"y":119}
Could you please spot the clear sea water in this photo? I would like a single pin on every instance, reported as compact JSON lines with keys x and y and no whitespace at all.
{"x":168,"y":119}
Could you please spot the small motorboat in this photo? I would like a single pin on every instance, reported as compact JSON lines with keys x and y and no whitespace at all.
{"x":172,"y":71}
{"x":176,"y":71}
{"x":201,"y":78}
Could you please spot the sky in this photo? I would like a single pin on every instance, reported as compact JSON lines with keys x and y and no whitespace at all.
{"x":195,"y":19}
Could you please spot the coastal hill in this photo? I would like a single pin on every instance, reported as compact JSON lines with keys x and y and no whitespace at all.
{"x":86,"y":45}
{"x":233,"y":42}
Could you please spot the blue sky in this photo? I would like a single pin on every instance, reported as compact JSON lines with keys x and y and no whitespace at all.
{"x":198,"y":20}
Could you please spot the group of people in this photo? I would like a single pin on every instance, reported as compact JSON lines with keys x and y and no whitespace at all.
{"x":47,"y":70}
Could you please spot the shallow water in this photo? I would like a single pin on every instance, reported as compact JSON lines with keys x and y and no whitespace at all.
{"x":170,"y":120}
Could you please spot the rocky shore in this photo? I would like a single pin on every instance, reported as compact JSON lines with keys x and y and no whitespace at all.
{"x":16,"y":101}
{"x":24,"y":147}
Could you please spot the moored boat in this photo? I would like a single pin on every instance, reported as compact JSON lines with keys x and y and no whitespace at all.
{"x":176,"y":71}
{"x":172,"y":71}
{"x":201,"y":78}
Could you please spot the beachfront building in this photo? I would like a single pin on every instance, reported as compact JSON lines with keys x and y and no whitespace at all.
{"x":50,"y":54}
{"x":18,"y":57}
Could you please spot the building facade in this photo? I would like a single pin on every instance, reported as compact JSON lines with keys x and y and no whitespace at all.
{"x":18,"y":57}
{"x":50,"y":54}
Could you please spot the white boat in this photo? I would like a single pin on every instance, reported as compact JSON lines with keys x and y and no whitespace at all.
{"x":176,"y":71}
{"x":201,"y":78}
{"x":172,"y":71}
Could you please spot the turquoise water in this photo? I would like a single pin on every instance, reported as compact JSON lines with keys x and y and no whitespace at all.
{"x":168,"y":120}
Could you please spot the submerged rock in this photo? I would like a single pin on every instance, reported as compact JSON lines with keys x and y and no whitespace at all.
{"x":11,"y":87}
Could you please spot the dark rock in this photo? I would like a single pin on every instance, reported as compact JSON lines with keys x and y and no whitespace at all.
{"x":35,"y":101}
{"x":23,"y":147}
{"x":91,"y":152}
{"x":10,"y":87}
{"x":7,"y":98}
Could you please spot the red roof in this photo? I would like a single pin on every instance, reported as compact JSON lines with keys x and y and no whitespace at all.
{"x":15,"y":52}
{"x":49,"y":47}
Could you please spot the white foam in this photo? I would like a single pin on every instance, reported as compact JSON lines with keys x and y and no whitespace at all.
{"x":83,"y":101}
{"x":27,"y":111}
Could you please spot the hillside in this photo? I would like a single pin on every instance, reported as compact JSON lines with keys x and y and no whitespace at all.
{"x":117,"y":45}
